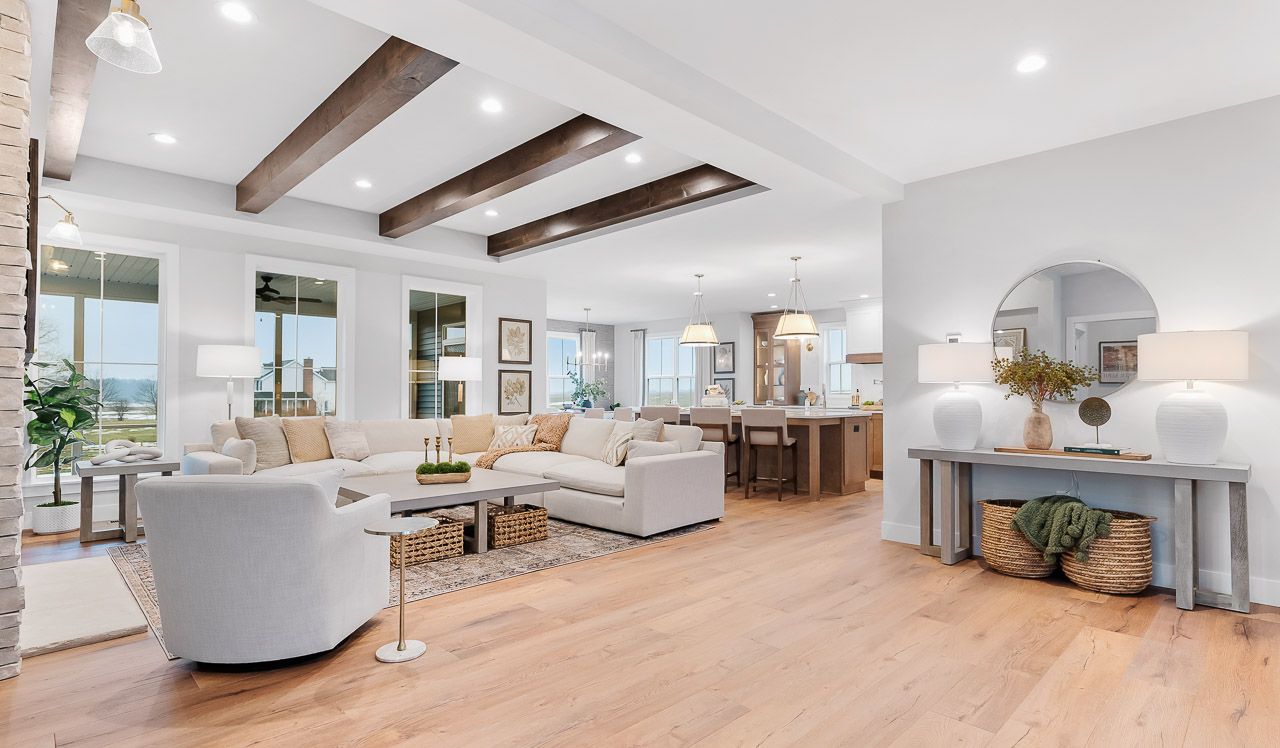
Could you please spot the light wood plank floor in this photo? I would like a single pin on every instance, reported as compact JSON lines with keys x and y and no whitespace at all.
{"x":788,"y":624}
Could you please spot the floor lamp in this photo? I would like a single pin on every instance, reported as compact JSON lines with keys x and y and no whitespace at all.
{"x":460,"y":369}
{"x":229,"y":362}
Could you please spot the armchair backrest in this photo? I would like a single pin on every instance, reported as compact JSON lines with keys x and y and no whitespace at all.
{"x":764,"y":418}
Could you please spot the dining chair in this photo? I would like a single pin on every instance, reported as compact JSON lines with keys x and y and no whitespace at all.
{"x":665,"y":413}
{"x":767,"y":428}
{"x":624,"y":414}
{"x":717,"y":426}
{"x":593,"y":412}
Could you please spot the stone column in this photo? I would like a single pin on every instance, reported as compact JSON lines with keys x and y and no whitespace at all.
{"x":15,"y":109}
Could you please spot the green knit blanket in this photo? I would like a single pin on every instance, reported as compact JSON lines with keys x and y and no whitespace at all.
{"x":1055,"y":524}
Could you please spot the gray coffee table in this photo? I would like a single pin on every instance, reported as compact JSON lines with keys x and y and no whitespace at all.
{"x":407,"y":495}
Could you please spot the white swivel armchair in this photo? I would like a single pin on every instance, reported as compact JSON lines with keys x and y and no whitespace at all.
{"x":255,"y":569}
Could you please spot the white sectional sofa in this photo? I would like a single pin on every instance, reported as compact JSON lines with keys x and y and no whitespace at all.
{"x":644,"y":496}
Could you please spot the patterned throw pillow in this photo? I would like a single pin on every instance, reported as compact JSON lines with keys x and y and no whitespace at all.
{"x":615,"y":448}
{"x":551,"y":428}
{"x":267,"y":435}
{"x":306,"y":438}
{"x":512,"y":436}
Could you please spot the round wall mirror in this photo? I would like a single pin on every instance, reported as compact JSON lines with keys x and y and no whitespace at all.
{"x":1085,"y":312}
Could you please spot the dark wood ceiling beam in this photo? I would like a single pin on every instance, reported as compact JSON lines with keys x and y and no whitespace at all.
{"x":683,"y":190}
{"x":70,"y":82}
{"x":386,"y":81}
{"x":580,"y":139}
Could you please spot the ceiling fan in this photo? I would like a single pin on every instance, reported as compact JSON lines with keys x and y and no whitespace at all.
{"x":268,"y":294}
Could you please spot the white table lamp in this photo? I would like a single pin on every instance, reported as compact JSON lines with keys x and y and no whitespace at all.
{"x":1191,"y":424}
{"x":957,"y":415}
{"x":229,"y":362}
{"x":460,"y":369}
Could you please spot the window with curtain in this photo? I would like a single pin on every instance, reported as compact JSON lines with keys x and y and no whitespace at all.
{"x":437,"y":328}
{"x":670,"y":371}
{"x":839,"y":374}
{"x":101,"y":311}
{"x":296,"y":329}
{"x":562,"y":357}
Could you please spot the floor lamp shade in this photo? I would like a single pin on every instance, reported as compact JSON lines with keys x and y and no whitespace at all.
{"x":461,"y":369}
{"x":1191,"y":424}
{"x":957,"y":415}
{"x":234,"y":361}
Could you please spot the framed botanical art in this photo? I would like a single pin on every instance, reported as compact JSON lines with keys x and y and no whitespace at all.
{"x":722,"y":359}
{"x":1013,"y":337}
{"x":1117,"y":361}
{"x":515,"y":341}
{"x":727,"y":384}
{"x":514,"y":392}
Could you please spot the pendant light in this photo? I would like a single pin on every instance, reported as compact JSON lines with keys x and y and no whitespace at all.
{"x":796,"y":323}
{"x":124,"y":40}
{"x":65,"y":233}
{"x":699,"y":333}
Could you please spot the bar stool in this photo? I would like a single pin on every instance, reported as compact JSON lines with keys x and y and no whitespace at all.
{"x":717,"y":426}
{"x":665,"y":413}
{"x":624,"y":414}
{"x":767,"y":428}
{"x":593,"y":412}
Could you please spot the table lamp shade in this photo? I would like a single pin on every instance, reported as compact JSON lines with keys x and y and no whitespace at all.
{"x":228,"y":361}
{"x":953,"y":363}
{"x":461,"y":369}
{"x":1212,"y":355}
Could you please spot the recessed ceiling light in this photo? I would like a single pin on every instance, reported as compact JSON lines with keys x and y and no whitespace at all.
{"x":634,"y":158}
{"x":772,"y":295}
{"x":319,"y":281}
{"x":492,"y":106}
{"x":865,"y":296}
{"x":1031,"y":64}
{"x":236,"y":12}
{"x":163,"y":138}
{"x":364,"y":184}
{"x":773,"y":306}
{"x":491,"y":213}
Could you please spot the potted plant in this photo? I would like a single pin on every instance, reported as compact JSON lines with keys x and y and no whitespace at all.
{"x":62,"y":406}
{"x":1040,"y":377}
{"x":584,"y":392}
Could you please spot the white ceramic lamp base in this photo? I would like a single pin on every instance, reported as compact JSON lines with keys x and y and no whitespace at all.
{"x":1192,"y":427}
{"x":957,"y":420}
{"x":413,"y":649}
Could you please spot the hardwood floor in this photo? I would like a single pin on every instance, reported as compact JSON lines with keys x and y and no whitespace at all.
{"x":788,"y":624}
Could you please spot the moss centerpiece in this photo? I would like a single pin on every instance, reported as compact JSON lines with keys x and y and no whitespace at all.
{"x":429,"y":473}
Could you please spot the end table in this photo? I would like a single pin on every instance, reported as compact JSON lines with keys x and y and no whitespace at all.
{"x":127,"y":526}
{"x":401,"y":651}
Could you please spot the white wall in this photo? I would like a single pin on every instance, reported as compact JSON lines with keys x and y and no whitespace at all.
{"x":1189,"y":208}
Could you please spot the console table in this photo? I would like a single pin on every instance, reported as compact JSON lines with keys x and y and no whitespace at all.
{"x":955,"y":468}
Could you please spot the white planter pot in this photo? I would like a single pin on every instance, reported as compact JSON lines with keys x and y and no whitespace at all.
{"x":47,"y":520}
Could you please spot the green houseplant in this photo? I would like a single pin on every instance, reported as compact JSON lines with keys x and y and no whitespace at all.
{"x":63,"y":405}
{"x":584,"y":392}
{"x":1040,"y":377}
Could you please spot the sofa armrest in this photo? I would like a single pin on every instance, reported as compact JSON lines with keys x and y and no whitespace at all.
{"x":210,"y":463}
{"x":664,"y":492}
{"x":198,"y":447}
{"x":717,"y":447}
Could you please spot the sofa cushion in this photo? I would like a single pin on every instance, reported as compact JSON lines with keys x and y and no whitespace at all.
{"x":688,"y":437}
{"x":398,"y":434}
{"x":268,"y":436}
{"x":221,"y":431}
{"x":347,"y":439}
{"x":519,"y":419}
{"x":512,"y":436}
{"x":393,"y":462}
{"x":243,"y":450}
{"x":349,"y":468}
{"x":640,"y":429}
{"x":472,"y":433}
{"x":533,"y":463}
{"x":639,"y":449}
{"x":551,"y":428}
{"x":586,"y":437}
{"x":591,"y":476}
{"x":306,"y":439}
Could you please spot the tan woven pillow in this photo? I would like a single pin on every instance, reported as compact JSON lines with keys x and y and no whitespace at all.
{"x":615,"y":448}
{"x":551,"y":428}
{"x":306,"y":438}
{"x":471,"y":433}
{"x":512,"y":436}
{"x":268,"y":436}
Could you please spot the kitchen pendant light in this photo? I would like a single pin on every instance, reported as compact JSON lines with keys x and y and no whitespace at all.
{"x":699,"y":333}
{"x":124,"y":40}
{"x":65,"y":233}
{"x":796,"y":323}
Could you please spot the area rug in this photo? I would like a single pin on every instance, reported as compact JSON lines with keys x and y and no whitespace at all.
{"x":566,"y":543}
{"x":73,"y":603}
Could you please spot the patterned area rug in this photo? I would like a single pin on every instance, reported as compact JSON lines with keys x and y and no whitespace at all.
{"x":565,"y":544}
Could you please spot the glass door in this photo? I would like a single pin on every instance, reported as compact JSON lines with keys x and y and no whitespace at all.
{"x":437,"y":327}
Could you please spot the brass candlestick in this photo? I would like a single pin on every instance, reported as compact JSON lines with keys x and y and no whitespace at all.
{"x":450,"y":440}
{"x":426,"y":449}
{"x":437,"y":449}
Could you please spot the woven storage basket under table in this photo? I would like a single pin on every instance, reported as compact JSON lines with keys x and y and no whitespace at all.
{"x":1119,"y":564}
{"x":523,"y":523}
{"x":442,"y":541}
{"x":1004,"y":546}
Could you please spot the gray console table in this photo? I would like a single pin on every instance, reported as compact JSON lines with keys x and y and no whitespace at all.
{"x":955,"y":468}
{"x":127,"y":527}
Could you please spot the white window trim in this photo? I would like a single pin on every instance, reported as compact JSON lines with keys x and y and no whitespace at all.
{"x":346,"y":279}
{"x":696,"y":376}
{"x":168,"y":427}
{"x":474,"y":399}
{"x":575,"y":337}
{"x":826,"y":365}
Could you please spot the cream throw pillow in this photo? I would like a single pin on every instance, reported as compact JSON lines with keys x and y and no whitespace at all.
{"x":512,"y":436}
{"x":640,"y":429}
{"x":346,"y":439}
{"x":519,"y":419}
{"x":268,"y":436}
{"x":243,"y":450}
{"x":615,"y":448}
{"x":307,"y":442}
{"x":471,"y":433}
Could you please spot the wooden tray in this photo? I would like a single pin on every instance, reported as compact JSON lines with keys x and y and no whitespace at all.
{"x":1131,"y":456}
{"x":428,"y":480}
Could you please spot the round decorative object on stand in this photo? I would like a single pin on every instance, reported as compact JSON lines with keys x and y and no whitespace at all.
{"x":401,"y":650}
{"x":1095,"y":412}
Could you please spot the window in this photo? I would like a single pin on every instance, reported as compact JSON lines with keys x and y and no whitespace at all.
{"x":669,"y":372}
{"x":562,"y":358}
{"x":437,"y":327}
{"x":101,"y":311}
{"x":839,"y":374}
{"x":296,"y":329}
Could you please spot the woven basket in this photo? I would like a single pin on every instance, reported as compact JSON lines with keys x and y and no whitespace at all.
{"x":442,"y":541}
{"x":523,"y":523}
{"x":1119,"y":564}
{"x":1004,"y":546}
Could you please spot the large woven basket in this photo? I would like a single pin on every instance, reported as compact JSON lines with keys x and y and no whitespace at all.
{"x":1004,"y":546}
{"x":1119,"y":564}
{"x":442,"y":541}
{"x":523,"y":523}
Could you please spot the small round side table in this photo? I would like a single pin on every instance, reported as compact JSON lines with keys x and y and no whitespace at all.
{"x":401,"y":527}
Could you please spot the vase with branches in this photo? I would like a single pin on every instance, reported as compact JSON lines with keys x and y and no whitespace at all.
{"x":62,"y":404}
{"x":1040,"y":377}
{"x":585,"y":393}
